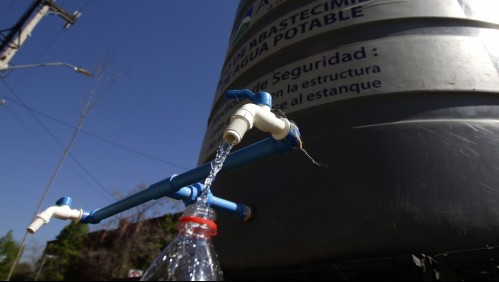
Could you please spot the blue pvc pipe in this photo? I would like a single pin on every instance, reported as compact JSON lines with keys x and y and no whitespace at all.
{"x":168,"y":186}
{"x":190,"y":194}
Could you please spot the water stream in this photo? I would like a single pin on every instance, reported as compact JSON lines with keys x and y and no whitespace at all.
{"x":216,"y":165}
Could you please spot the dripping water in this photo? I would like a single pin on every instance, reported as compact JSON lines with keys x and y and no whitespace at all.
{"x":222,"y":153}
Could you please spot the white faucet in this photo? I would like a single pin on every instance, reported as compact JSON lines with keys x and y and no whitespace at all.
{"x":61,"y":211}
{"x":256,"y":114}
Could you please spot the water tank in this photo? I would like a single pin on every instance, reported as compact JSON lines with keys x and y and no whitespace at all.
{"x":399,"y":98}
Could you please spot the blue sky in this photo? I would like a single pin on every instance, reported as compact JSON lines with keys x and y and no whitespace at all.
{"x":149,"y":127}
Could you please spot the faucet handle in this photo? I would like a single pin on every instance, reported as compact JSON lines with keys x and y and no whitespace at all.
{"x":240,"y":94}
{"x":64,"y":201}
{"x":260,"y":98}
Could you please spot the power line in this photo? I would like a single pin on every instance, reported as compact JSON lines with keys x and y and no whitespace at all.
{"x":49,"y":132}
{"x":94,"y":179}
{"x":8,"y":56}
{"x":123,"y":147}
{"x":109,"y":196}
{"x":21,"y":103}
{"x":51,"y":42}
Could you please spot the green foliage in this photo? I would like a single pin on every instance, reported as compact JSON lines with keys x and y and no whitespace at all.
{"x":8,"y":253}
{"x":67,"y":253}
{"x":104,"y":255}
{"x":134,"y":246}
{"x":154,"y":242}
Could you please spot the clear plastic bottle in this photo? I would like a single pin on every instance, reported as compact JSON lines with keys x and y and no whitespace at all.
{"x":191,"y":255}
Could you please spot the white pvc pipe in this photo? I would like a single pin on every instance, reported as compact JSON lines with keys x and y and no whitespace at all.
{"x":60,"y":212}
{"x":259,"y":116}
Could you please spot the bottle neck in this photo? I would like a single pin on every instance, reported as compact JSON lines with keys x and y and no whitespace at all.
{"x":197,"y":227}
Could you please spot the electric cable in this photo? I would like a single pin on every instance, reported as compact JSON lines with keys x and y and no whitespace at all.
{"x":123,"y":147}
{"x":53,"y":137}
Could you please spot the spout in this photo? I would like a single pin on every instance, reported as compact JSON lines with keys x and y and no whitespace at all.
{"x":259,"y":116}
{"x":61,"y":211}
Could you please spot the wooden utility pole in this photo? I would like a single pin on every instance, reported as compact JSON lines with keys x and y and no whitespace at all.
{"x":18,"y":34}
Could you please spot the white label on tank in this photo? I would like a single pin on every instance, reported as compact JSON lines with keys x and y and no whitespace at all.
{"x":324,"y":16}
{"x":401,"y":65}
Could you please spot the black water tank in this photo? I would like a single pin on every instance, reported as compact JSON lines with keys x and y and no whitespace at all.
{"x":399,"y":98}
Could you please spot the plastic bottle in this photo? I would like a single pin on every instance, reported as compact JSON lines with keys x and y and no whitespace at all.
{"x":191,"y":255}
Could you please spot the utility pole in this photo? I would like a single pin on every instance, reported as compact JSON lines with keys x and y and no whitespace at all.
{"x":12,"y":43}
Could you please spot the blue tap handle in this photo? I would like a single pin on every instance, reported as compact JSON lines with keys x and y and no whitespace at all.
{"x":242,"y":93}
{"x":64,"y":201}
{"x":260,"y":98}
